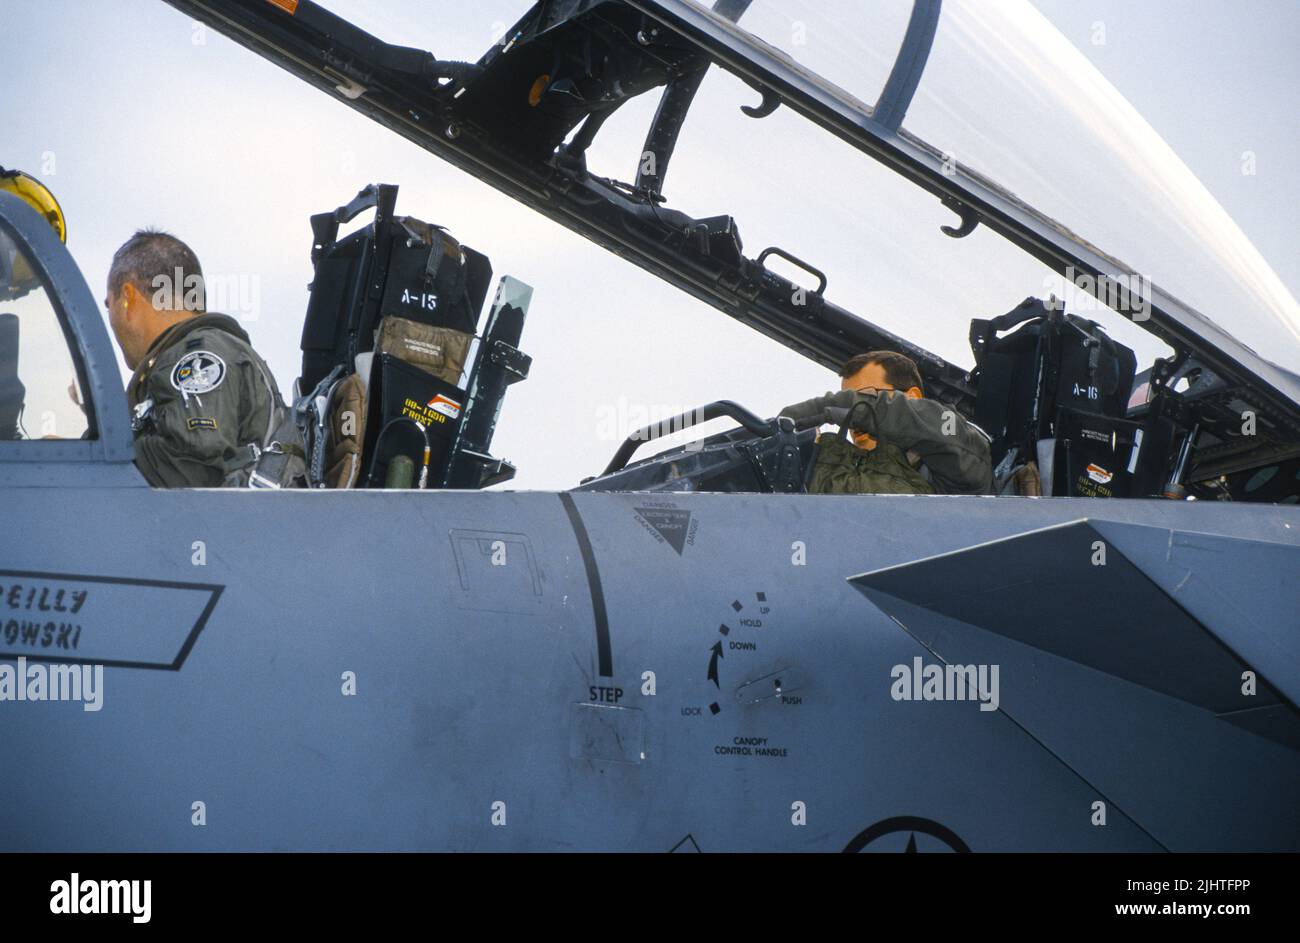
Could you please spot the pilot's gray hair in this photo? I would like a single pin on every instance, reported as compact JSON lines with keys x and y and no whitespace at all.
{"x":161,"y":267}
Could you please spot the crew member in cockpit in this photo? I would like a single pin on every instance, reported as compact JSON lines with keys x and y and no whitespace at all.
{"x":902,"y":442}
{"x":207,"y":412}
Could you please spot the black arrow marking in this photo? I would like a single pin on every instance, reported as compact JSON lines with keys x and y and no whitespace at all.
{"x":713,"y":663}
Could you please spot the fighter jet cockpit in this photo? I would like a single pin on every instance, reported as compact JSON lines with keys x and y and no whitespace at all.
{"x":999,"y":214}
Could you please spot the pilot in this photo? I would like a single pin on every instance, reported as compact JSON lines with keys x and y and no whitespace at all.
{"x":206,"y":411}
{"x":902,"y":442}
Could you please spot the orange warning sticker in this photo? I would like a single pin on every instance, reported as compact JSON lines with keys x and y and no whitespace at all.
{"x":445,"y":405}
{"x":1099,"y":474}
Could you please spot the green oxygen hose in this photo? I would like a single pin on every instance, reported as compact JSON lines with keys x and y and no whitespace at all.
{"x":401,"y":472}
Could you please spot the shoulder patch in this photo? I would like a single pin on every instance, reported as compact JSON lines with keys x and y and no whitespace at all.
{"x":199,"y":371}
{"x":200,"y":422}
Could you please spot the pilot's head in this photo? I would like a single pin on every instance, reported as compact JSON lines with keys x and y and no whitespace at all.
{"x":880,"y":370}
{"x":154,"y":281}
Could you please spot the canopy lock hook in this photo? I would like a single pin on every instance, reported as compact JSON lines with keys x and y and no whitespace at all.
{"x":771,"y":101}
{"x":970,"y":218}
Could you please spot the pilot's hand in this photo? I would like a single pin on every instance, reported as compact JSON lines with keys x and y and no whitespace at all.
{"x":831,"y":407}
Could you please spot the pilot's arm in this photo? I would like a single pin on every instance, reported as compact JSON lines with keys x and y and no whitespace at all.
{"x":955,"y":452}
{"x":192,"y":440}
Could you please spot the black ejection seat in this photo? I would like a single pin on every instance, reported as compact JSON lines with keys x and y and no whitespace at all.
{"x":1053,"y":392}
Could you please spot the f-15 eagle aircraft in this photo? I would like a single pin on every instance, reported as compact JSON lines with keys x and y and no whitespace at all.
{"x":686,"y":651}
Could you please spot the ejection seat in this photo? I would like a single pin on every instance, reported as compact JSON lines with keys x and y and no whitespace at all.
{"x":397,"y":389}
{"x":1053,"y":395}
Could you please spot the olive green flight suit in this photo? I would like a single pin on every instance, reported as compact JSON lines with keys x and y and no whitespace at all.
{"x":843,"y":468}
{"x":203,"y":405}
{"x":953,"y":452}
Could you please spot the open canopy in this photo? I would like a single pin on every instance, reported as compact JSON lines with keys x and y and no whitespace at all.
{"x":1003,"y":95}
{"x":1001,"y":103}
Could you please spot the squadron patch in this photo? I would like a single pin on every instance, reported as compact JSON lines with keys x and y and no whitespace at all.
{"x":198,"y":372}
